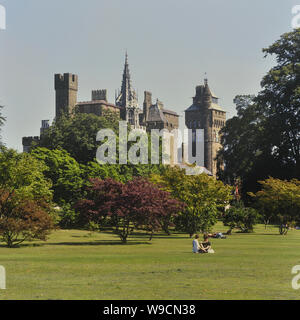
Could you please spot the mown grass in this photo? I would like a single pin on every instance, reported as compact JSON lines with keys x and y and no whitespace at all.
{"x":76,"y":264}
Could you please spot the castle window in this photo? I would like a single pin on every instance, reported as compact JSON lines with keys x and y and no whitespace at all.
{"x":131,"y":117}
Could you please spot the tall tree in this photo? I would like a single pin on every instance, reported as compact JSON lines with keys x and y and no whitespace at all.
{"x":264,"y":138}
{"x":279,"y":101}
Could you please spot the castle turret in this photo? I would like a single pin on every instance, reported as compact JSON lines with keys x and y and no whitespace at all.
{"x":66,"y":87}
{"x":205,"y":113}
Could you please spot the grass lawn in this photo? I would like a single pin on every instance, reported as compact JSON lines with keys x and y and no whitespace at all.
{"x":76,"y":264}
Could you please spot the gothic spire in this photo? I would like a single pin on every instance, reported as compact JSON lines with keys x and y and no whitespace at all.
{"x":127,"y":96}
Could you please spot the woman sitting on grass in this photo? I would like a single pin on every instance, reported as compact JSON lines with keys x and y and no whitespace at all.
{"x":204,"y":247}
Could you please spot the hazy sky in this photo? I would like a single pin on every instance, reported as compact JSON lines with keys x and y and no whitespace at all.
{"x":171,"y":44}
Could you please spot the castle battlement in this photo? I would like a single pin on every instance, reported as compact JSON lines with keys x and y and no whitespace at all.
{"x":66,"y":81}
{"x":28,"y":141}
{"x":99,"y":95}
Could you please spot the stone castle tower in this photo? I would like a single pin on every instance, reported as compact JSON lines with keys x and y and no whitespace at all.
{"x":66,"y":87}
{"x":205,"y":113}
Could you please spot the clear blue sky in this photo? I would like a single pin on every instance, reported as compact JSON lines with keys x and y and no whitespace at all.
{"x":171,"y":44}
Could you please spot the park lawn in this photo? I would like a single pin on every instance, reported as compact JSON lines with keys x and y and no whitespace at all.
{"x":76,"y":264}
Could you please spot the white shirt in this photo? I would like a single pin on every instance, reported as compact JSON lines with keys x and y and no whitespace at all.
{"x":196,"y":246}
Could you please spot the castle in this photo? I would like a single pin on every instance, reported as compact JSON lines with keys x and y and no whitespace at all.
{"x":126,"y":103}
{"x":205,"y":112}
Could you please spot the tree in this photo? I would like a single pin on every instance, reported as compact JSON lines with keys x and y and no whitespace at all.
{"x":64,"y":172}
{"x":77,"y":134}
{"x":264,"y":138}
{"x":25,"y":202}
{"x":127,"y":206}
{"x":203,"y":196}
{"x":282,"y":198}
{"x":279,"y":101}
{"x":23,"y":219}
{"x":240,"y":217}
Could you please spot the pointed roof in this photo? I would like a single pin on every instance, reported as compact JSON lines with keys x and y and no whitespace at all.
{"x":201,"y":91}
{"x":127,"y":96}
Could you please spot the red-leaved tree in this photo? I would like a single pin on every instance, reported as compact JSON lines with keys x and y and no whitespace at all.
{"x":127,"y":206}
{"x":23,"y":219}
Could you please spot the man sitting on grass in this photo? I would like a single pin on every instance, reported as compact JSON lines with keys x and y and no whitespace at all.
{"x":205,"y":246}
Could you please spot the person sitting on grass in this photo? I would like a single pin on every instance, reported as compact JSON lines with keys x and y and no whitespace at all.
{"x":205,"y":246}
{"x":196,"y":246}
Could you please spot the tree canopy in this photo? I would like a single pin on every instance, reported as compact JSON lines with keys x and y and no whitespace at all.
{"x":127,"y":206}
{"x":264,"y":138}
{"x":279,"y":201}
{"x":77,"y":134}
{"x":202,"y":195}
{"x":25,"y":198}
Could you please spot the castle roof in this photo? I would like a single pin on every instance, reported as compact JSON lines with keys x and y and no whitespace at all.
{"x":215,"y":106}
{"x":127,"y":96}
{"x":202,"y":92}
{"x":156,"y":114}
{"x":93,"y":102}
{"x":170,"y":112}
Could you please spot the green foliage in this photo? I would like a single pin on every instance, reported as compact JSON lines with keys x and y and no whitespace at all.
{"x":77,"y":134}
{"x":203,"y":195}
{"x":240,"y":217}
{"x":25,"y":198}
{"x":22,"y":174}
{"x":264,"y":138}
{"x":279,"y":200}
{"x":64,"y":172}
{"x":67,"y":217}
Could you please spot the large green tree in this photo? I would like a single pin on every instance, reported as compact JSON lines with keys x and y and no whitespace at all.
{"x":25,"y":198}
{"x":264,"y":138}
{"x":77,"y":134}
{"x":64,"y":172}
{"x":279,"y":201}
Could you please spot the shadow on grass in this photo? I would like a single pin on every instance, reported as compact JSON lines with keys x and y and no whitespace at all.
{"x":98,"y":243}
{"x":88,"y":243}
{"x":256,"y":234}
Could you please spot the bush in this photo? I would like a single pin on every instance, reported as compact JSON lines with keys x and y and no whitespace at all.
{"x":68,"y":217}
{"x":240,"y":217}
